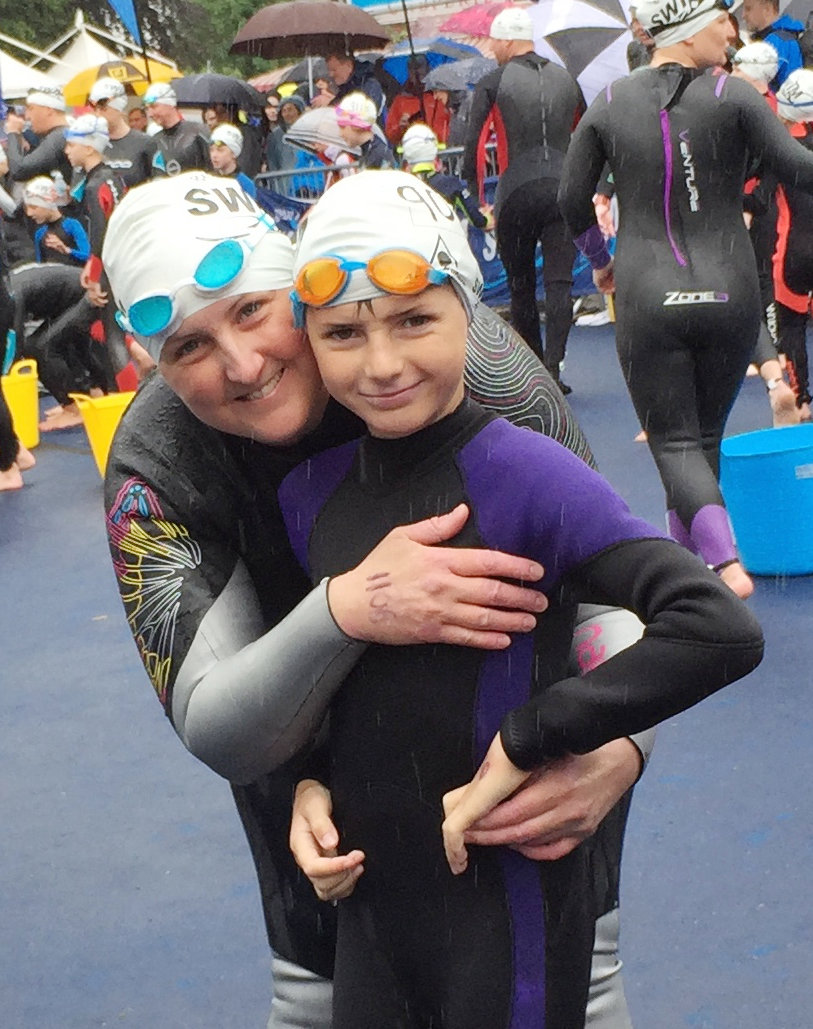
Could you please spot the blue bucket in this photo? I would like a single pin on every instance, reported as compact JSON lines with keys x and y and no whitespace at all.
{"x":767,"y":480}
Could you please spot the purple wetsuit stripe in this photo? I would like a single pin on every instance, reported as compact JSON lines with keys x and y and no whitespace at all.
{"x":721,"y":81}
{"x":667,"y":187}
{"x":305,"y":491}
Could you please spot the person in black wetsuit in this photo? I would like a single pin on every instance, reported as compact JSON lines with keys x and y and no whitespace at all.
{"x":242,"y":656}
{"x":45,"y":110}
{"x":14,"y":457}
{"x":679,"y":143}
{"x":508,"y":943}
{"x":182,"y":143}
{"x":134,"y":155}
{"x":533,"y":106}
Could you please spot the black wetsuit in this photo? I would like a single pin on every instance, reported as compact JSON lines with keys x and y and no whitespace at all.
{"x":532,"y":106}
{"x":793,"y":274}
{"x":204,"y":569}
{"x":47,"y":156}
{"x":458,"y":195}
{"x":184,"y":147}
{"x":508,"y":943}
{"x":135,"y":157}
{"x":68,"y":361}
{"x":72,"y":233}
{"x":679,"y":144}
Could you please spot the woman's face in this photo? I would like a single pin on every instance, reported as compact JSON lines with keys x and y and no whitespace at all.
{"x":210,"y":117}
{"x":240,"y":366}
{"x":272,"y":110}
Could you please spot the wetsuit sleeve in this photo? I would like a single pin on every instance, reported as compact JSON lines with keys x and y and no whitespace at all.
{"x":242,"y":697}
{"x":39,"y":235}
{"x":584,"y":165}
{"x":42,"y":160}
{"x":699,"y":637}
{"x":465,"y":200}
{"x":81,"y":244}
{"x":770,"y":140}
{"x":484,"y":97}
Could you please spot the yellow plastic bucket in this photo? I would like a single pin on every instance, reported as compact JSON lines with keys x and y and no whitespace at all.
{"x":101,"y":416}
{"x":22,"y":396}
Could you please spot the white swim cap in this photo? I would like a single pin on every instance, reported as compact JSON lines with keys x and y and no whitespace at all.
{"x":110,"y":90}
{"x":673,"y":21}
{"x":42,"y":192}
{"x":176,"y":245}
{"x":757,"y":61}
{"x":230,"y":136}
{"x":160,"y":93}
{"x":357,"y":110}
{"x":47,"y":96}
{"x":512,"y":23}
{"x":794,"y":100}
{"x":374,"y":212}
{"x":419,"y":144}
{"x":89,"y":130}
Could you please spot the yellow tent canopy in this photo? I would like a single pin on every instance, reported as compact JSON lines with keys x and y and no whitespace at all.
{"x":131,"y":72}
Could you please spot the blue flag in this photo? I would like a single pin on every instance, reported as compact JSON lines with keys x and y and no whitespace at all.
{"x":125,"y":9}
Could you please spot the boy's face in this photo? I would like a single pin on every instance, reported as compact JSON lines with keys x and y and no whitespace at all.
{"x":223,"y":160}
{"x":78,"y":153}
{"x":396,"y":361}
{"x":38,"y":214}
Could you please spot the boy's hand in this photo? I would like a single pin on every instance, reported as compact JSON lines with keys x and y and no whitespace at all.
{"x":496,"y":779}
{"x":53,"y":242}
{"x":314,"y":840}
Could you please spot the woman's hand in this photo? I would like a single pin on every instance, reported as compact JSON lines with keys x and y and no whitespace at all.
{"x":410,"y":590}
{"x":314,"y":841}
{"x":561,"y":804}
{"x":496,"y":779}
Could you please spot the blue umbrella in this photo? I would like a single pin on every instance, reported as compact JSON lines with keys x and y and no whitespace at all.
{"x":436,"y":51}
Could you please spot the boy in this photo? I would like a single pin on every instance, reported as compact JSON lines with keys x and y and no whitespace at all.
{"x":504,"y":941}
{"x":225,"y":146}
{"x":57,"y":240}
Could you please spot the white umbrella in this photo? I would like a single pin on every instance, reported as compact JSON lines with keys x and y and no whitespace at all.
{"x":588,"y":37}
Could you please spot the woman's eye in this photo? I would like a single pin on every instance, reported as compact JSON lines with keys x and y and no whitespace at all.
{"x":250,"y":308}
{"x":185,"y":349}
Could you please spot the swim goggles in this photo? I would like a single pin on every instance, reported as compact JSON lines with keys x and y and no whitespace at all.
{"x":394,"y":271}
{"x":153,"y":314}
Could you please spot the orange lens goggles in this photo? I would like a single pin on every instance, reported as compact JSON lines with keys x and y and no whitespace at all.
{"x":394,"y":271}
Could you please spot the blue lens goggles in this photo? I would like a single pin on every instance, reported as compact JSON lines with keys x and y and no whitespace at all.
{"x":151,"y":315}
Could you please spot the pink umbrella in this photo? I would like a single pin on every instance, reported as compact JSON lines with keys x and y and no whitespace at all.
{"x":476,"y":20}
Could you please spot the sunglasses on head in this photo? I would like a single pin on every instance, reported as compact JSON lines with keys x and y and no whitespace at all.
{"x":402,"y":272}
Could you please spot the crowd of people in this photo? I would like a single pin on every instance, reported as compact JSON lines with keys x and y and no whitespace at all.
{"x":327,"y":427}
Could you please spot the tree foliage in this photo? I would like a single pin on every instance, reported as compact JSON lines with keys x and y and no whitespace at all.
{"x":196,"y":34}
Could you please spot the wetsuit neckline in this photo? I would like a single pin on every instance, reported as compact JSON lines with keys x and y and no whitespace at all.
{"x":385,"y":462}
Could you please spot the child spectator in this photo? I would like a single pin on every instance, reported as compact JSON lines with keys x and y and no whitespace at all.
{"x":225,"y":146}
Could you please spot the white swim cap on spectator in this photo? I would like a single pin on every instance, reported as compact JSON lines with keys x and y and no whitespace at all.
{"x":89,"y":130}
{"x":512,"y":23}
{"x":673,"y":21}
{"x":230,"y":136}
{"x":358,"y":110}
{"x":160,"y":93}
{"x":110,"y":90}
{"x":176,"y":245}
{"x":419,"y":145}
{"x":758,"y":61}
{"x":47,"y":96}
{"x":42,"y":192}
{"x":378,"y":212}
{"x":794,"y":100}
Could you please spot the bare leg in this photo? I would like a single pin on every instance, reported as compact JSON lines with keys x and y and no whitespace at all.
{"x":11,"y":479}
{"x":737,"y":579}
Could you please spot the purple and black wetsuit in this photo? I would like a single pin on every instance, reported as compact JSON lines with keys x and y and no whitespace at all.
{"x":679,"y":143}
{"x":506,"y":945}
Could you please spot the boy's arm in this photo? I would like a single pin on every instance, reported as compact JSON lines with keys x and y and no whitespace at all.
{"x":81,"y":244}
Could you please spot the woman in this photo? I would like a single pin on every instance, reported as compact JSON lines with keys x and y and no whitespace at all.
{"x":679,"y":143}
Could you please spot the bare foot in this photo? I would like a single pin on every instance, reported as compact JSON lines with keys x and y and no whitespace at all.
{"x":52,"y":412}
{"x":25,"y":459}
{"x":752,"y":370}
{"x":641,"y":437}
{"x":804,"y":413}
{"x":69,"y":419}
{"x":95,"y":392}
{"x":783,"y":406}
{"x":11,"y":479}
{"x":737,"y":579}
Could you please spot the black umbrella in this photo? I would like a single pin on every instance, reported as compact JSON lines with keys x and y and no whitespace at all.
{"x":210,"y":88}
{"x":303,"y":27}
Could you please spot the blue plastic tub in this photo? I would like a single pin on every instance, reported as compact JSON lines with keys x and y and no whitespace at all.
{"x":767,"y":481}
